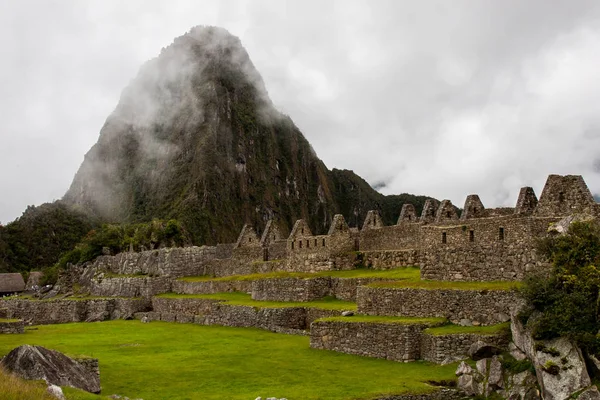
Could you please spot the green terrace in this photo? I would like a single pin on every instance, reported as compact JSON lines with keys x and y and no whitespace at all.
{"x":451,"y":285}
{"x":244,"y":299}
{"x":162,"y":360}
{"x":451,"y":329}
{"x":8,"y":320}
{"x":377,"y":319}
{"x":409,"y":273}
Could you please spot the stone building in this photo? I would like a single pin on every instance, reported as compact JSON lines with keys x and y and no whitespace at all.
{"x":11,"y":283}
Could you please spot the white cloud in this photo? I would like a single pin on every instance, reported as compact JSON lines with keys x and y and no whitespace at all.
{"x":437,"y":99}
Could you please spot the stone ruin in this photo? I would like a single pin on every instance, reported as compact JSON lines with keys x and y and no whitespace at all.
{"x":481,"y":244}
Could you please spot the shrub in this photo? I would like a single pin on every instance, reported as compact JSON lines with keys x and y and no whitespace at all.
{"x":568,"y":296}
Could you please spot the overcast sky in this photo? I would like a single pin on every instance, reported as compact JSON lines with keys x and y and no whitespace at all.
{"x":442,"y":98}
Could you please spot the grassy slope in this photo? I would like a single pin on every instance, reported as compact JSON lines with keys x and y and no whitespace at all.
{"x":244,"y":299}
{"x":13,"y":388}
{"x":451,"y":329}
{"x":184,"y":361}
{"x":392,"y":274}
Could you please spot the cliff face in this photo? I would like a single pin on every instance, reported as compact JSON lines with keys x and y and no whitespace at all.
{"x":196,"y":138}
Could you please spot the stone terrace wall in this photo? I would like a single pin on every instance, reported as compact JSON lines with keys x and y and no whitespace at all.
{"x":485,"y":307}
{"x":390,"y":341}
{"x":442,"y":349}
{"x":209,"y":287}
{"x":12,"y":326}
{"x":214,"y":312}
{"x":174,"y":262}
{"x":41,"y":312}
{"x":485,"y":249}
{"x":129,"y":286}
{"x":441,"y":394}
{"x":291,"y":289}
{"x":307,"y":289}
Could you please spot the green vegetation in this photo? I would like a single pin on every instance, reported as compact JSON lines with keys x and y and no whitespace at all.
{"x":451,"y":329}
{"x":9,"y":320}
{"x":391,"y":274}
{"x":36,"y":239}
{"x":163,"y":360}
{"x":387,"y":320}
{"x":432,"y":285}
{"x":118,"y":238}
{"x":14,"y":388}
{"x":244,"y":299}
{"x":568,"y":296}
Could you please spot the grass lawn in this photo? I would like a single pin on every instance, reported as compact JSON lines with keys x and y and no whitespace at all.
{"x":391,"y":274}
{"x":163,"y":360}
{"x":451,"y":329}
{"x":387,"y":320}
{"x":244,"y":299}
{"x":9,"y":320}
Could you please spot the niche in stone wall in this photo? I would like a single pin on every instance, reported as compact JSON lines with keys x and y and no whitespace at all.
{"x":444,"y":239}
{"x":500,"y":233}
{"x":471,"y":235}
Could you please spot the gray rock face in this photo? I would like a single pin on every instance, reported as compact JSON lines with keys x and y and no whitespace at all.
{"x":559,"y":364}
{"x":36,"y":362}
{"x":55,"y":391}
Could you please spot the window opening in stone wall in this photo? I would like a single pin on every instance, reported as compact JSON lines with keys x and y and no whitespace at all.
{"x":292,"y":245}
{"x":307,"y":244}
{"x":266,"y":254}
{"x":561,"y":197}
{"x":316,"y":243}
{"x":323,"y":242}
{"x":300,"y":244}
{"x":471,"y":236}
{"x":443,"y":237}
{"x":274,"y":237}
{"x":501,"y":234}
{"x":302,"y":231}
{"x":249,"y":240}
{"x":448,"y":214}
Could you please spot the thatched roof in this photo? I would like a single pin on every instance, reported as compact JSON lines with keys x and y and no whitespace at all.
{"x":11,"y":283}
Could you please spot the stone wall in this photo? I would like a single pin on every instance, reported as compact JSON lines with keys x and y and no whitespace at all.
{"x":291,"y":289}
{"x":142,"y":286}
{"x":485,"y":307}
{"x":214,"y":312}
{"x":209,"y":287}
{"x":395,"y":341}
{"x":441,"y":394}
{"x":307,"y":289}
{"x":41,"y":312}
{"x":406,"y":235}
{"x":174,"y":262}
{"x":12,"y":326}
{"x":442,"y":349}
{"x":484,"y":249}
{"x":387,"y":259}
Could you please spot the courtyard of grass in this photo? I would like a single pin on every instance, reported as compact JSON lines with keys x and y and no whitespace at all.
{"x":161,"y":360}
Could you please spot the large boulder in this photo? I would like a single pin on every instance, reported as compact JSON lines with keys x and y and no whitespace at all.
{"x":36,"y":362}
{"x":559,"y":364}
